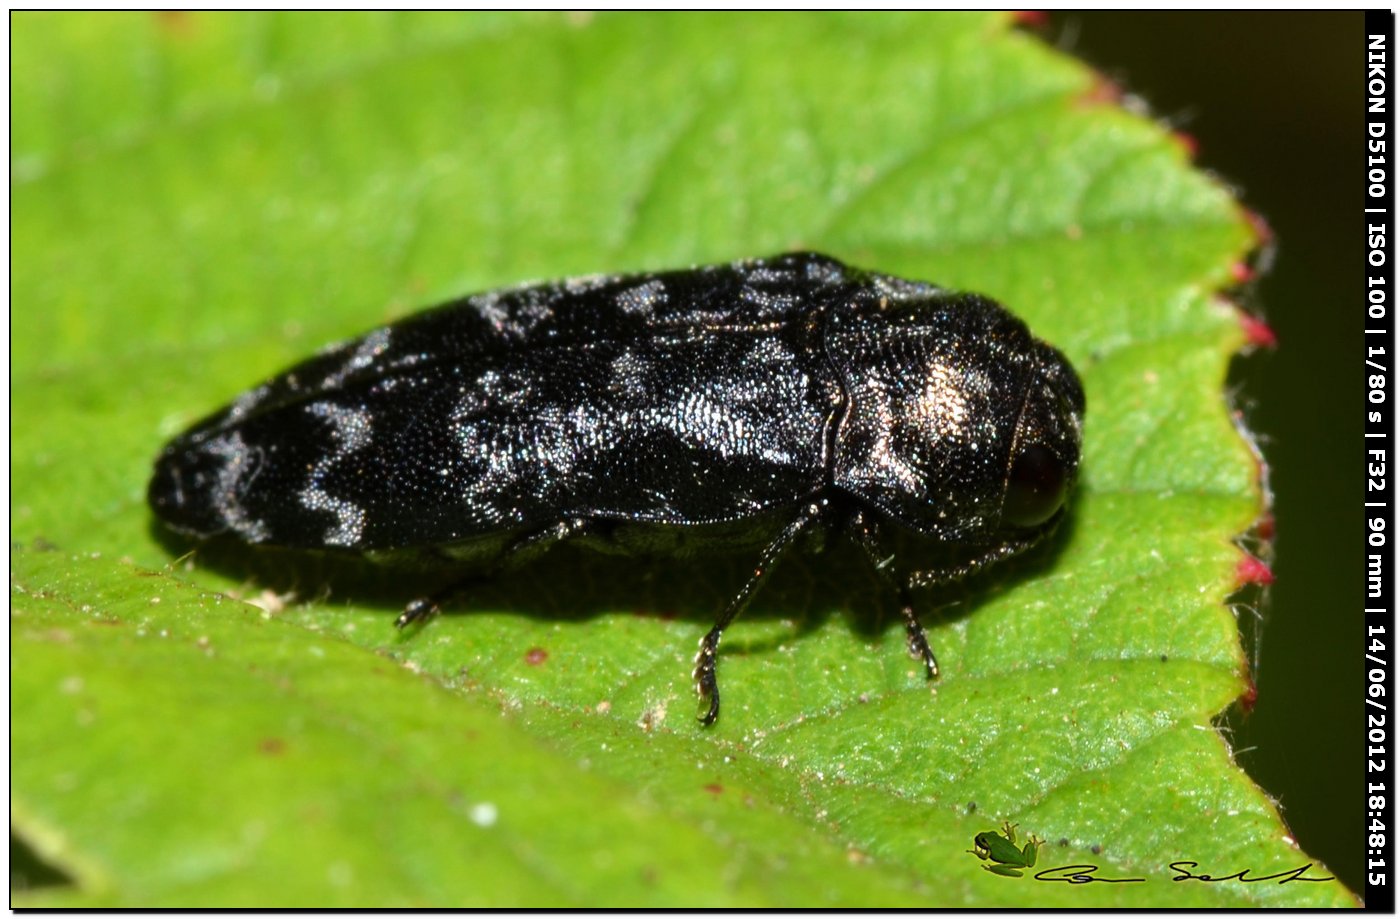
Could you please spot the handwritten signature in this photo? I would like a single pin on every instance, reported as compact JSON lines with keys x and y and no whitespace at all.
{"x":1283,"y":877}
{"x":1088,"y":874}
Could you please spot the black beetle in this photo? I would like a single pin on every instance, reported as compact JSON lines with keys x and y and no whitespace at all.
{"x":728,"y":407}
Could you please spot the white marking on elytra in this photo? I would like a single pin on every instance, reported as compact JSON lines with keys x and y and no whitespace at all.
{"x":369,"y":348}
{"x":631,"y":374}
{"x":644,"y":298}
{"x":586,"y":282}
{"x":350,"y":428}
{"x":491,"y":307}
{"x":732,"y":418}
{"x":824,"y":272}
{"x":241,"y":465}
{"x":506,"y":458}
{"x":245,"y":403}
{"x":899,"y":290}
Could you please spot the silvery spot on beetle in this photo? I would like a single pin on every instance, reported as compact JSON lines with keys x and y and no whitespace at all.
{"x":731,"y":408}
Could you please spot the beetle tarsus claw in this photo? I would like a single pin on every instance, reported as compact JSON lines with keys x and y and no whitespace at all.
{"x":706,"y":683}
{"x":417,"y":610}
{"x":919,"y":647}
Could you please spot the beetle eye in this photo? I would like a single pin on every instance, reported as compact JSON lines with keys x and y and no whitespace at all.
{"x":1036,"y":487}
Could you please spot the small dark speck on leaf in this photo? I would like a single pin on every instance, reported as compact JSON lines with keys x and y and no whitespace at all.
{"x":1164,"y":658}
{"x":536,"y":656}
{"x":1064,"y":843}
{"x":1096,"y":849}
{"x":972,"y":807}
{"x":713,"y":788}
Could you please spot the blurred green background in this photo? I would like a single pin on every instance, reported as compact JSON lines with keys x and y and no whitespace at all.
{"x":1275,"y":102}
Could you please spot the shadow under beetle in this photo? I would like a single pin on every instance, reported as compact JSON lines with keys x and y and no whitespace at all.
{"x":740,"y":407}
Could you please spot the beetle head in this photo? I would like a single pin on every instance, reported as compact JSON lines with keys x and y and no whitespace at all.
{"x":1044,"y":456}
{"x":958,"y":424}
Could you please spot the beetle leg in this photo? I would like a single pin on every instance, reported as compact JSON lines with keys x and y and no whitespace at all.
{"x":918,"y":638}
{"x":935,"y":577}
{"x":864,"y":531}
{"x":421,"y":609}
{"x":706,"y":683}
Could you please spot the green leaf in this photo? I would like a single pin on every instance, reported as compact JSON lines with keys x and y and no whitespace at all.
{"x":199,"y":199}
